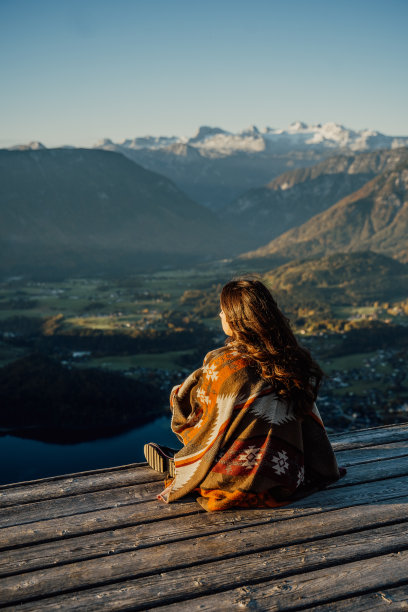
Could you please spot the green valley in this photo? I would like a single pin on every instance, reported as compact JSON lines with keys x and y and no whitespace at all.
{"x":350,"y":310}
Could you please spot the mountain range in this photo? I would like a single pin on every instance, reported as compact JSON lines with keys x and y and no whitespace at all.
{"x":216,"y":166}
{"x":96,"y":211}
{"x":295,"y":196}
{"x":216,"y":142}
{"x":375,"y":217}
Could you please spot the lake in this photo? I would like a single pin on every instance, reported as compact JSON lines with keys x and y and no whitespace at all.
{"x":22,"y":459}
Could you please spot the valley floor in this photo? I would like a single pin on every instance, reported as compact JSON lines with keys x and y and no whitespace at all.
{"x":159,"y":326}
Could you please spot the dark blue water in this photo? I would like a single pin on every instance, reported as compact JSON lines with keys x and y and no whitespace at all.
{"x":22,"y":459}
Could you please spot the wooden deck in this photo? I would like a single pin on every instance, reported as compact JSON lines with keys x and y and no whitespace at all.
{"x":101,"y":541}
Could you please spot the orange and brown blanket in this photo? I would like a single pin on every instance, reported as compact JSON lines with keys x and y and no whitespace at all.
{"x":242,"y":445}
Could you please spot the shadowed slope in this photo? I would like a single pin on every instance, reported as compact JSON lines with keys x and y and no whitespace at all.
{"x":294,"y":197}
{"x":373,"y":218}
{"x":82,"y":210}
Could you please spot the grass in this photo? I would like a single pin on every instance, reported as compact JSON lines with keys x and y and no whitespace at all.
{"x":165,"y":361}
{"x":360,"y":387}
{"x":75,"y":303}
{"x":347,"y":362}
{"x":9,"y":353}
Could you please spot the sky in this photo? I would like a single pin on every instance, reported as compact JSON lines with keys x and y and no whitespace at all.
{"x":76,"y":71}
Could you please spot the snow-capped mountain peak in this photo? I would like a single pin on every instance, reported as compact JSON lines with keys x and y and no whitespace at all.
{"x":204,"y":132}
{"x":297,"y":125}
{"x":251,"y":131}
{"x":103,"y":142}
{"x":216,"y":142}
{"x":34,"y":145}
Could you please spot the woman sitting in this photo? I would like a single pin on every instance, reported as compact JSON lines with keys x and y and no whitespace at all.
{"x":251,"y":432}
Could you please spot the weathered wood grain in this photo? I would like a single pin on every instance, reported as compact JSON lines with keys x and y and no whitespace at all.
{"x":365,"y":493}
{"x":374,"y":470}
{"x":89,"y":522}
{"x":11,"y":495}
{"x":56,"y":487}
{"x":47,"y":479}
{"x":95,"y":480}
{"x":220,"y":543}
{"x":304,"y":591}
{"x":103,"y":540}
{"x":182,"y":584}
{"x":372,"y":453}
{"x":329,"y":499}
{"x":78,"y":504}
{"x":384,"y":599}
{"x":114,"y":497}
{"x":369,"y":437}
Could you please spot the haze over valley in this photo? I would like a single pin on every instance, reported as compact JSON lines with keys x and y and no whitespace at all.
{"x":113,"y":257}
{"x":81,"y":211}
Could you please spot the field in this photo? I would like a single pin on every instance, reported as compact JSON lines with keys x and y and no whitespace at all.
{"x":165,"y":361}
{"x":152,"y":312}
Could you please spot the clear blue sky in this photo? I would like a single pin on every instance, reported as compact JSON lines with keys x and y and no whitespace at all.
{"x":75,"y":71}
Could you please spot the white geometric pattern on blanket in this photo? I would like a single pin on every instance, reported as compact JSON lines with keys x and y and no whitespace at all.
{"x":210,"y":371}
{"x":281,"y":462}
{"x":250,"y":457}
{"x":202,"y":396}
{"x":273,"y":410}
{"x":224,"y":407}
{"x":184,"y":474}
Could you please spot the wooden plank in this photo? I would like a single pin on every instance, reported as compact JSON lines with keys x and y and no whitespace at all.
{"x":374,"y":470}
{"x":57,"y":487}
{"x":330,"y":499}
{"x":89,"y":522}
{"x":86,"y":502}
{"x":64,"y":487}
{"x":369,"y":437}
{"x":384,"y":599}
{"x":78,"y":504}
{"x":252,"y":536}
{"x":77,"y":483}
{"x":47,"y":479}
{"x":94,"y":480}
{"x":372,"y":453}
{"x":189,"y":582}
{"x":306,"y":590}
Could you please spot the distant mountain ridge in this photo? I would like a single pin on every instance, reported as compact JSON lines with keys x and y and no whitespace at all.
{"x":296,"y":196}
{"x":216,"y":166}
{"x":214,"y":141}
{"x":375,"y":217}
{"x":89,"y":210}
{"x":284,"y":216}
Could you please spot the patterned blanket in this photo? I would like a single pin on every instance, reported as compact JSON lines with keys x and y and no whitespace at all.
{"x":242,"y":445}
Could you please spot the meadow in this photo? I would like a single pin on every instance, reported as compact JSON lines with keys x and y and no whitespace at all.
{"x":160,"y":325}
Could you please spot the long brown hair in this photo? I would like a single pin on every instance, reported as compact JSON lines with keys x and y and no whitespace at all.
{"x":262,"y":333}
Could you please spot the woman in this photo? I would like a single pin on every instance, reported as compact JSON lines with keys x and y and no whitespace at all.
{"x":251,"y":431}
